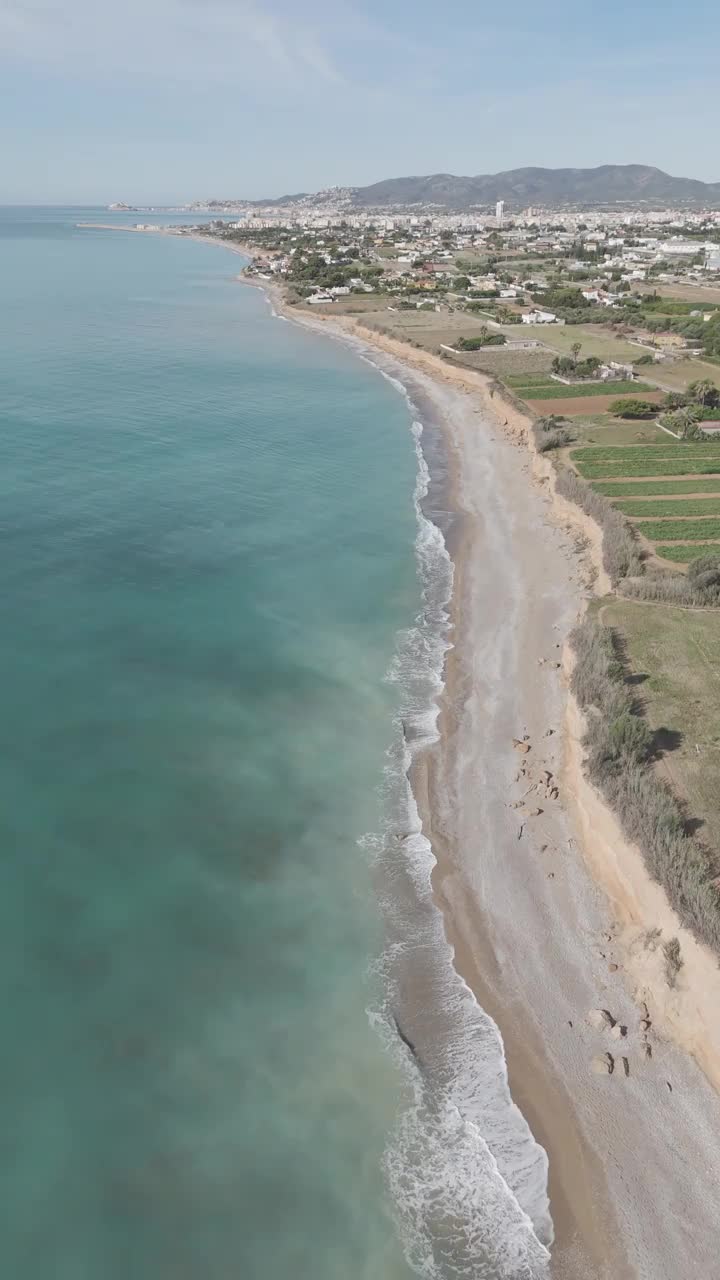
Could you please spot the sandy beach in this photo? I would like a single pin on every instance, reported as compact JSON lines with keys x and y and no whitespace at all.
{"x":633,"y":1168}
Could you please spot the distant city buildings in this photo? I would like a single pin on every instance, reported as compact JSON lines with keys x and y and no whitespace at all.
{"x":500,"y":213}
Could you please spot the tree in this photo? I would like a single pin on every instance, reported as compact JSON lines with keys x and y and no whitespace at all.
{"x":683,"y":421}
{"x":703,"y":392}
{"x":630,"y":408}
{"x":704,"y":572}
{"x":576,"y":348}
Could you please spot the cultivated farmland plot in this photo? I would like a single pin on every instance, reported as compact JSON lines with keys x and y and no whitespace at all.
{"x":659,"y":467}
{"x":651,"y":488}
{"x":683,"y":553}
{"x":679,"y":530}
{"x":622,"y":452}
{"x":674,"y":507}
{"x":581,"y":390}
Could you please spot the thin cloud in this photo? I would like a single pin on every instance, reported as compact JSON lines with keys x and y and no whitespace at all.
{"x":166,"y":38}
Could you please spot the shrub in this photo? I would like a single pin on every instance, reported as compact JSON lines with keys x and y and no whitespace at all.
{"x":551,"y":432}
{"x":671,"y":588}
{"x":483,"y":340}
{"x":629,"y":738}
{"x":704,"y":573}
{"x":552,"y":440}
{"x":630,"y":408}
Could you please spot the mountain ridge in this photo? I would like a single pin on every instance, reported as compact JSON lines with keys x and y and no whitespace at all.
{"x":604,"y":184}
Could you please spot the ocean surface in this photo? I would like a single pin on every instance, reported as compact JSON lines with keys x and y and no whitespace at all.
{"x":224,"y":622}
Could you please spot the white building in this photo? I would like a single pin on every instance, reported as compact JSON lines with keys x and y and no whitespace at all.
{"x":679,"y":248}
{"x":540,"y":317}
{"x":500,"y":212}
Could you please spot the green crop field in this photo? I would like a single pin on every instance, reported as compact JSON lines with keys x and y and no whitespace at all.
{"x":679,"y":530}
{"x":612,"y":453}
{"x":654,"y":488}
{"x":678,"y":653}
{"x":663,"y":507}
{"x":637,"y":467}
{"x":679,"y":553}
{"x":561,"y":391}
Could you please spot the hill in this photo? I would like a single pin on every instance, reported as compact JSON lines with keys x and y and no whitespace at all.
{"x":607,"y":184}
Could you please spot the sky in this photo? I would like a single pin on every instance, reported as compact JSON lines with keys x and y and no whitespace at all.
{"x":166,"y":101}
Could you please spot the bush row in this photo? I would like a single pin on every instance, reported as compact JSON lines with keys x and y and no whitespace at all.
{"x":619,"y":746}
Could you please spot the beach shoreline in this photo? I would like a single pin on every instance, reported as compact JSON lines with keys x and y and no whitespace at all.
{"x":536,"y":942}
{"x":606,"y":1222}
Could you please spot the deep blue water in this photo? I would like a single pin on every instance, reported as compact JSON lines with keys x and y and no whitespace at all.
{"x":207,"y":552}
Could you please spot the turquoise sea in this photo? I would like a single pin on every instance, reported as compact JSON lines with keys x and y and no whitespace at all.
{"x":224,"y":623}
{"x":207,"y":532}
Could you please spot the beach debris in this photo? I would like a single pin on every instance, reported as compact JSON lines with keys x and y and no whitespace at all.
{"x":645,"y":1024}
{"x":534,"y":813}
{"x":669,"y":1085}
{"x":603,"y":1064}
{"x":647,"y":1049}
{"x":520,"y":832}
{"x":612,"y":967}
{"x":626,"y":1066}
{"x":600,"y":1019}
{"x":521,"y":745}
{"x":549,"y":733}
{"x":618,"y":1032}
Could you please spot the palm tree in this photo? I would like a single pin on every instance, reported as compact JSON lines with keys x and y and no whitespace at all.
{"x":576,"y":348}
{"x":686,"y":421}
{"x":703,"y":392}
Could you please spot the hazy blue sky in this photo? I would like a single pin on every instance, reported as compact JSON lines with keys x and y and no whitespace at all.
{"x":162,"y":100}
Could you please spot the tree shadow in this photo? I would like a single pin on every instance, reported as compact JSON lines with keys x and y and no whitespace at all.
{"x":666,"y":740}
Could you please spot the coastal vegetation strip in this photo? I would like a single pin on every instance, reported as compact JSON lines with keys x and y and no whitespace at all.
{"x":621,"y":753}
